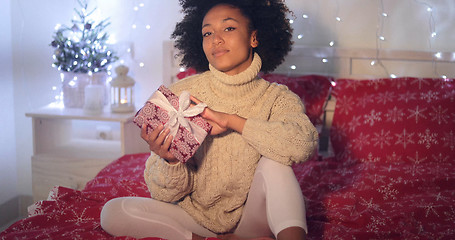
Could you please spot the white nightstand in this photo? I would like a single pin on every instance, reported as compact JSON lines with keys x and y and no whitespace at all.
{"x":71,"y":147}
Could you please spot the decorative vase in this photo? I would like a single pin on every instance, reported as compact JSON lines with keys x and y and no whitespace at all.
{"x":74,"y":84}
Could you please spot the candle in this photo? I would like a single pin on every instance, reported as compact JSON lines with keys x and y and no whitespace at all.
{"x":94,"y":99}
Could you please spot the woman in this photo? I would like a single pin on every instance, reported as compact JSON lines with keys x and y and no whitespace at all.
{"x":239,"y":184}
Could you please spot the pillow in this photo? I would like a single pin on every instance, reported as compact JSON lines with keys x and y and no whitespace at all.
{"x":188,"y":72}
{"x":312,"y":89}
{"x":394,"y":120}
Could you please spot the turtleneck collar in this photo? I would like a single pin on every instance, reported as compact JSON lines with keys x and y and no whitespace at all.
{"x":240,"y":85}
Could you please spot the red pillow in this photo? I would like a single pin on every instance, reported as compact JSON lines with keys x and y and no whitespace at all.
{"x":394,"y":120}
{"x":312,"y":89}
{"x":188,"y":72}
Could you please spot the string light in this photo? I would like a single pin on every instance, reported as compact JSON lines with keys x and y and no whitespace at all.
{"x":438,"y":55}
{"x":433,"y":35}
{"x":338,"y":19}
{"x":380,"y":37}
{"x":428,"y":10}
{"x":138,"y":25}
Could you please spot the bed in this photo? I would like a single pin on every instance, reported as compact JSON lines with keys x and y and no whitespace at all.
{"x":384,"y":169}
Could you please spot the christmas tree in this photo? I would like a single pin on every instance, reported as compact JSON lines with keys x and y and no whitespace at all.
{"x":82,"y":48}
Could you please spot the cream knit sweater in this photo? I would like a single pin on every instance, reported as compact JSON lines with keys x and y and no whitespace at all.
{"x":214,"y":187}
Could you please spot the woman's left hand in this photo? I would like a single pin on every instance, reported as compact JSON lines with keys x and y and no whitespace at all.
{"x":220,"y":121}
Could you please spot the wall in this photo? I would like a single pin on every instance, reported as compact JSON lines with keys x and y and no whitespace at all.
{"x":27,"y":57}
{"x":408,"y":26}
{"x":8,"y":182}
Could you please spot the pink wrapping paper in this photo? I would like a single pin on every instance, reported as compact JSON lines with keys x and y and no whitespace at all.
{"x":188,"y":133}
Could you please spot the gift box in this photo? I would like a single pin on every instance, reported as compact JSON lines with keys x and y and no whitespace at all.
{"x":187,"y":127}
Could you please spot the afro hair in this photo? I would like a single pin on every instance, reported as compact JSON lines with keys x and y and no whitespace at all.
{"x":268,"y":17}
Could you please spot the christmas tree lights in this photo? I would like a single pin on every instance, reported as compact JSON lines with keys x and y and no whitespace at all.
{"x":82,"y":48}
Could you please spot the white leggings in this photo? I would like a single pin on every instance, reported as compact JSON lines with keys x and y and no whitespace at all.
{"x":275,"y":202}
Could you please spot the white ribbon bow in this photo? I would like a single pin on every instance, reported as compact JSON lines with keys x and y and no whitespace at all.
{"x":179,"y":117}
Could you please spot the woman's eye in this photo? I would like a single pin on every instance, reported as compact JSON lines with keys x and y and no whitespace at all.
{"x":229,"y":29}
{"x":206,"y":34}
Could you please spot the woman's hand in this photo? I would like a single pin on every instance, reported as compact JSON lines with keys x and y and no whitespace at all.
{"x":220,"y":121}
{"x":158,"y":143}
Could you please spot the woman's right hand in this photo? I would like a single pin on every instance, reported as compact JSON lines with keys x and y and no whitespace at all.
{"x":158,"y":143}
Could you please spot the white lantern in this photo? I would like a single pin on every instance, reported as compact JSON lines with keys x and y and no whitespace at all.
{"x":122,"y":95}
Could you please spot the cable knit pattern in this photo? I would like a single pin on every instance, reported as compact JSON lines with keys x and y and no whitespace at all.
{"x":213,"y":187}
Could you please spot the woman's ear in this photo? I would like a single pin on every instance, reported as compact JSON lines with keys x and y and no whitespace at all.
{"x":254,"y":41}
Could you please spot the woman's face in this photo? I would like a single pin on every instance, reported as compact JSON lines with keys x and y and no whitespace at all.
{"x":227,"y":40}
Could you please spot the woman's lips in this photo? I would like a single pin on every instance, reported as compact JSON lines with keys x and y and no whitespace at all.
{"x":219,"y":52}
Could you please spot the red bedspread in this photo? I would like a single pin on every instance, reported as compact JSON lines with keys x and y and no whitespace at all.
{"x":392,"y":175}
{"x":344,"y":201}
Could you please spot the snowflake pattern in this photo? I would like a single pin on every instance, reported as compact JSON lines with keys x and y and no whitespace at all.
{"x":381,"y":139}
{"x":404,"y":142}
{"x":450,"y":95}
{"x":407,"y":96}
{"x":370,"y":158}
{"x":417,"y":113}
{"x":417,"y":159}
{"x":429,"y":96}
{"x":361,"y":141}
{"x":372,"y":118}
{"x":439,"y":115}
{"x":385,"y":97}
{"x":394,"y":157}
{"x":80,"y":218}
{"x":364,"y":100}
{"x":405,"y":138}
{"x":420,"y":82}
{"x":429,"y":207}
{"x":428,"y":138}
{"x":388,"y":192}
{"x":345,"y":105}
{"x":354,"y":123}
{"x":375,"y":224}
{"x":394,"y":115}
